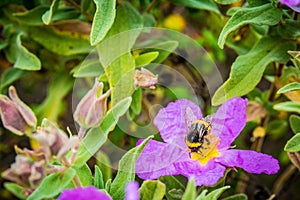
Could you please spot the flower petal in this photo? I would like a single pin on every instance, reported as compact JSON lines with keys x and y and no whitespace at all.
{"x":206,"y":175}
{"x":250,"y":161}
{"x":229,"y":121}
{"x":158,"y":158}
{"x":85,"y":193}
{"x":171,"y":122}
{"x":132,"y":191}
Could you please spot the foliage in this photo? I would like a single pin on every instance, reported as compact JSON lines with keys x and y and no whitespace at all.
{"x":49,"y":47}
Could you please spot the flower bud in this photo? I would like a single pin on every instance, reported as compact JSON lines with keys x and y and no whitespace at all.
{"x":28,"y":169}
{"x":145,"y":79}
{"x":15,"y":114}
{"x":50,"y":137}
{"x":92,"y":107}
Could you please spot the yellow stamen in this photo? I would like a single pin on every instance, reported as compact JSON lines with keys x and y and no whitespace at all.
{"x":208,"y":150}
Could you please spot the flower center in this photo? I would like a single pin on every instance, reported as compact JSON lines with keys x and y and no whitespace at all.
{"x":207,"y":150}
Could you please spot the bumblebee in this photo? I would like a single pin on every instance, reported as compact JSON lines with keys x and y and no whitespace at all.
{"x":199,"y":139}
{"x":198,"y":136}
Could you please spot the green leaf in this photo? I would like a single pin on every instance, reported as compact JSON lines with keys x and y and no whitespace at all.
{"x":237,"y":197}
{"x":52,"y":106}
{"x":98,"y":179}
{"x":85,"y":175}
{"x":226,"y":2}
{"x":136,"y":105}
{"x":61,"y":42}
{"x":47,"y":16}
{"x":146,"y":58}
{"x":190,"y":192}
{"x":89,"y":68}
{"x":31,"y":17}
{"x":154,"y":190}
{"x":96,"y":137}
{"x":247,"y":70}
{"x":15,"y":189}
{"x":118,"y":63}
{"x":293,"y":144}
{"x":126,"y":171}
{"x":295,"y":123}
{"x":277,"y":128}
{"x":9,"y":76}
{"x":289,"y":29}
{"x":289,"y":87}
{"x":108,"y":185}
{"x":103,"y":20}
{"x":199,"y":4}
{"x":202,"y":195}
{"x":262,"y":15}
{"x":52,"y":185}
{"x":104,"y":165}
{"x":214,"y":195}
{"x":164,"y":49}
{"x":174,"y":188}
{"x":20,"y":56}
{"x":288,"y":106}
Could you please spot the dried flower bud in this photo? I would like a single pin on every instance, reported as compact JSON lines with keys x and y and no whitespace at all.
{"x":50,"y":137}
{"x":145,"y":79}
{"x":92,"y":107}
{"x":26,"y":171}
{"x":15,"y":114}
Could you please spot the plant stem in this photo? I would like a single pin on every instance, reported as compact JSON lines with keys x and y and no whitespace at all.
{"x":283,"y":178}
{"x":151,"y":6}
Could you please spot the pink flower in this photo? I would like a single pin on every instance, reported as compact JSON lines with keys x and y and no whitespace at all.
{"x":208,"y":164}
{"x":15,"y":114}
{"x":293,"y":4}
{"x":85,"y":193}
{"x":91,"y":192}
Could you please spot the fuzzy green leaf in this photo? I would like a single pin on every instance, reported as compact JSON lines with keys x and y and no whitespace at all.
{"x":154,"y":190}
{"x":146,"y":58}
{"x":237,"y":197}
{"x":199,"y":4}
{"x":126,"y":171}
{"x":190,"y":192}
{"x":98,"y":179}
{"x":288,"y":106}
{"x":103,"y":20}
{"x":47,"y":16}
{"x":295,"y":123}
{"x":293,"y":144}
{"x":20,"y":56}
{"x":226,"y":2}
{"x":84,"y":174}
{"x":289,"y":87}
{"x":262,"y":15}
{"x":247,"y":70}
{"x":118,"y":63}
{"x":61,"y":42}
{"x":52,"y":185}
{"x":9,"y":76}
{"x":174,"y":188}
{"x":15,"y":189}
{"x":96,"y":137}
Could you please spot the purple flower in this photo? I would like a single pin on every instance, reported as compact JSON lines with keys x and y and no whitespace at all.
{"x":91,"y":192}
{"x":85,"y":193}
{"x":293,"y":4}
{"x":132,"y":191}
{"x":207,"y":164}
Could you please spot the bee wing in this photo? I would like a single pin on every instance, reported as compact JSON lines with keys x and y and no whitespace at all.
{"x":189,"y":116}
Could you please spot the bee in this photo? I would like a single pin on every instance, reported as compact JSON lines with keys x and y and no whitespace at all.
{"x":199,"y":138}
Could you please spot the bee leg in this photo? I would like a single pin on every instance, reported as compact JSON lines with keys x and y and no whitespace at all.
{"x":207,"y":140}
{"x":188,"y":150}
